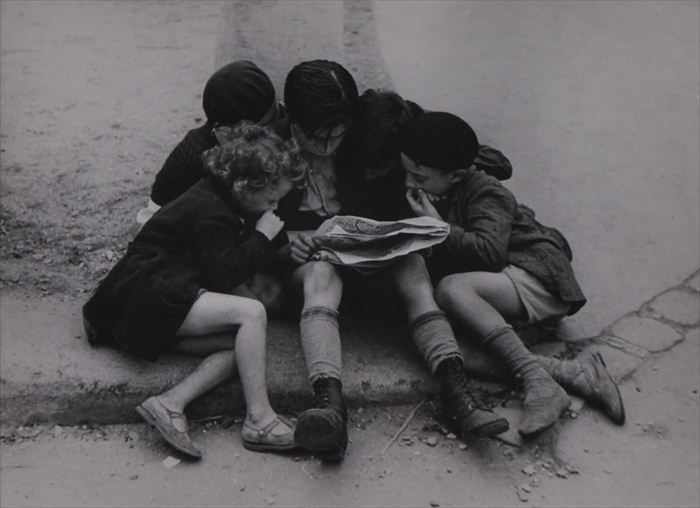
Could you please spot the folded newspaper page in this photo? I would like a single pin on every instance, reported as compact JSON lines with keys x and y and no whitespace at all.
{"x":368,"y":244}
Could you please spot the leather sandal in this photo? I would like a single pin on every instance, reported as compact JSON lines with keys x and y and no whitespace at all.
{"x":172,"y":425}
{"x":263,"y":440}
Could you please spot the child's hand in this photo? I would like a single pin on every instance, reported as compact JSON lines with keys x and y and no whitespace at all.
{"x":269,"y":224}
{"x":303,"y":248}
{"x":420,"y":204}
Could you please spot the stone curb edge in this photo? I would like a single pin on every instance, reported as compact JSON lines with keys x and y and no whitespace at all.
{"x":657,"y":326}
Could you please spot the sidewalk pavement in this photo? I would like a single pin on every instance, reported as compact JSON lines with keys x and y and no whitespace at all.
{"x":49,"y":373}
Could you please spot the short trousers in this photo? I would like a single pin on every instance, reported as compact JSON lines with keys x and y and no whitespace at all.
{"x":539,"y":303}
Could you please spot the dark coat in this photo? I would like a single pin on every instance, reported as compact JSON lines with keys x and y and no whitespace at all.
{"x":197,"y":242}
{"x":184,"y":166}
{"x":489,"y":230}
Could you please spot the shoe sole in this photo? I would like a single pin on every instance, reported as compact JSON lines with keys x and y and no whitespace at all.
{"x":490,"y":429}
{"x":146,"y":415}
{"x":261,"y":447}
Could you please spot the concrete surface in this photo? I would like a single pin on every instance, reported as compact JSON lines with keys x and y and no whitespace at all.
{"x":652,"y":461}
{"x":596,"y":105}
{"x":48,"y":372}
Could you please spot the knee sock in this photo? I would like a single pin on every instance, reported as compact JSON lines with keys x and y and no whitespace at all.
{"x":320,"y":341}
{"x":434,"y":338}
{"x":544,"y":399}
{"x":505,"y":343}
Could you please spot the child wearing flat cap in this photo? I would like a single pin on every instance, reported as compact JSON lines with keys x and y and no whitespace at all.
{"x":499,"y":265}
{"x":237,"y":91}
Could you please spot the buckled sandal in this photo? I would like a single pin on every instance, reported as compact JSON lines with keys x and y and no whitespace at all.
{"x":263,"y":440}
{"x":166,"y":422}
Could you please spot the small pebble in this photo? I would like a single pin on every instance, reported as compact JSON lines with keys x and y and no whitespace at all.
{"x":431,"y":441}
{"x":525,"y":487}
{"x":571,"y":469}
{"x":170,"y":462}
{"x":561,"y":473}
{"x":134,"y":477}
{"x":450,"y":435}
{"x":434,"y":504}
{"x":462,"y":446}
{"x":529,"y":470}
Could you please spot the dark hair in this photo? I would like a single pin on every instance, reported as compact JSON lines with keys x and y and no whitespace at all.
{"x":237,"y":91}
{"x":320,"y":94}
{"x":440,"y":140}
{"x":375,"y":136}
{"x":255,"y":154}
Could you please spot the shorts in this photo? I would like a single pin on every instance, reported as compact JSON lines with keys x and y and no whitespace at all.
{"x":539,"y":303}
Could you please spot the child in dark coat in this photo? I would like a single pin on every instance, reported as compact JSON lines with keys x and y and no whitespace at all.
{"x":174,"y":286}
{"x":497,"y":265}
{"x":237,"y":91}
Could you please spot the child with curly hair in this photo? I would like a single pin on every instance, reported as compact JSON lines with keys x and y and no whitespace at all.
{"x":173,"y":289}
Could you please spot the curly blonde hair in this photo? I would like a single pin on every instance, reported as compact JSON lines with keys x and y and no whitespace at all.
{"x":254,"y":155}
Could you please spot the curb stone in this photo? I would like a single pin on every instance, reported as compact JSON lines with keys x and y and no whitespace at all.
{"x":656,"y":327}
{"x":649,"y":334}
{"x":77,"y":394}
{"x":678,"y":305}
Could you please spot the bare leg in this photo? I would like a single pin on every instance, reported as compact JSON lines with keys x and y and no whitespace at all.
{"x":414,"y":287}
{"x":482,"y":301}
{"x":215,"y":313}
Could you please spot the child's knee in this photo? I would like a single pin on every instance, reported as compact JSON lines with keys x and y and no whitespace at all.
{"x":254,"y":314}
{"x":322,"y":277}
{"x":454,"y":289}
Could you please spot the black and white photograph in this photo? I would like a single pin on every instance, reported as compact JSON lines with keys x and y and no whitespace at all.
{"x":349,"y":253}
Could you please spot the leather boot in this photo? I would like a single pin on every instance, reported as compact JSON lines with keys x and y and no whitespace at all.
{"x":587,"y":376}
{"x":322,"y":429}
{"x":460,"y":408}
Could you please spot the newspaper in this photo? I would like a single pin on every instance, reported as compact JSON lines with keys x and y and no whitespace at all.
{"x":368,"y":244}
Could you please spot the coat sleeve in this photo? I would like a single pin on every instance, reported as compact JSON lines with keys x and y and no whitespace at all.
{"x":181,"y":170}
{"x":480,"y":241}
{"x":224,"y":261}
{"x":493,"y":162}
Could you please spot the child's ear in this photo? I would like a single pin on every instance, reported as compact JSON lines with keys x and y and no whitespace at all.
{"x":458,"y":175}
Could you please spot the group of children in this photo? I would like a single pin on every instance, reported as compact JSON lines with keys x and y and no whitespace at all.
{"x":228,"y":237}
